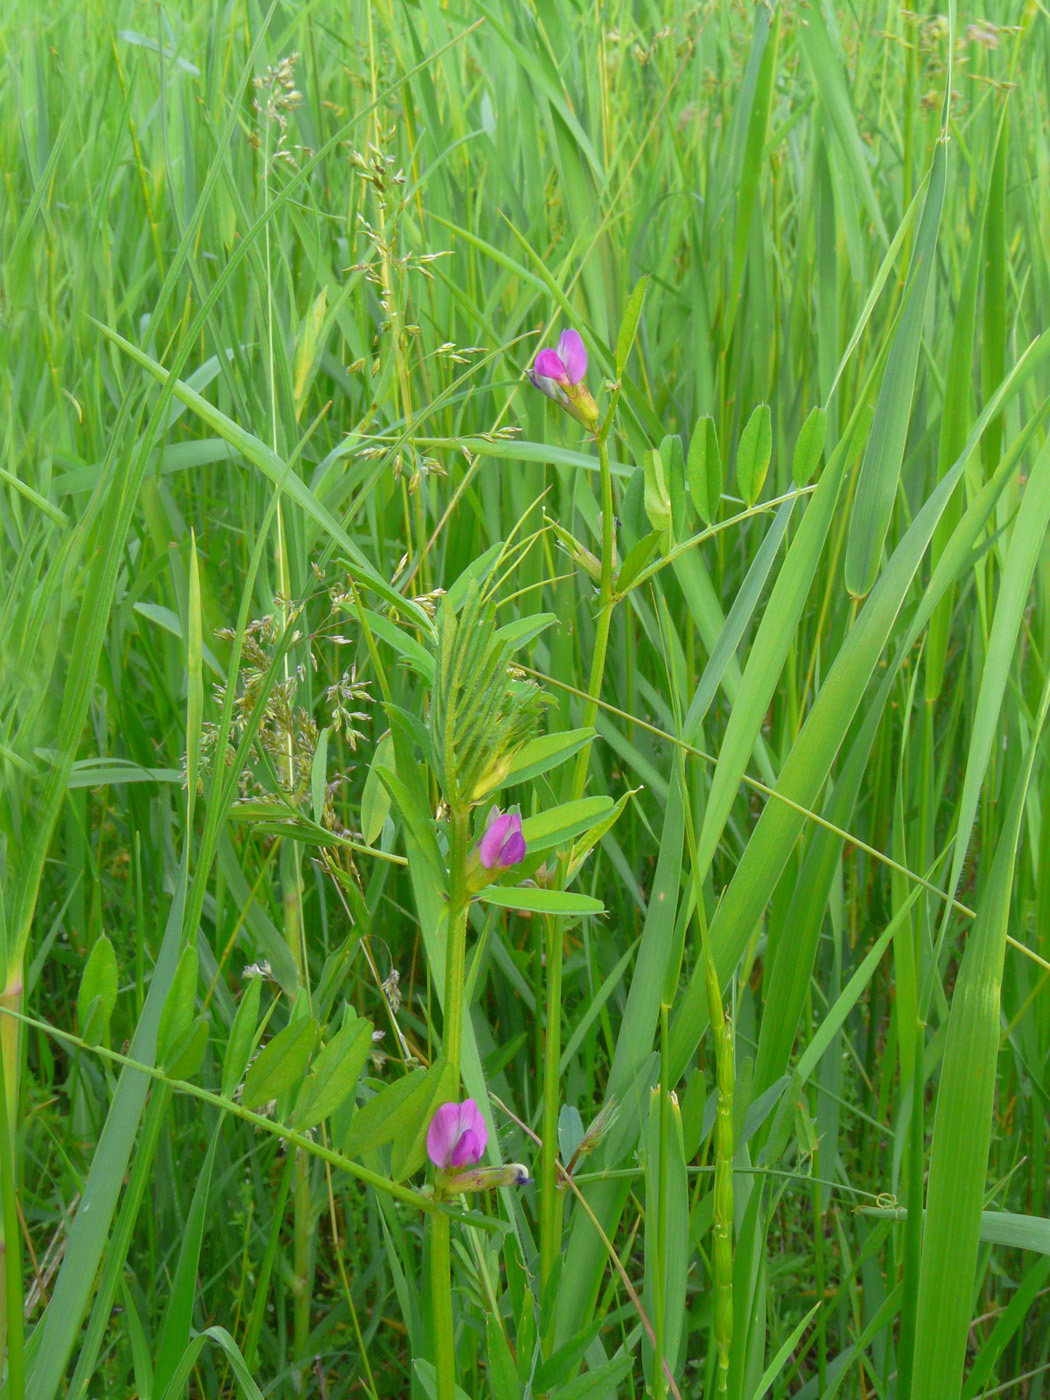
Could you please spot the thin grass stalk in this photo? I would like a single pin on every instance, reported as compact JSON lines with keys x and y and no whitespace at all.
{"x":253,"y":1330}
{"x":818,"y":1269}
{"x":660,"y":1280}
{"x":11,"y":1317}
{"x":912,"y":1224}
{"x":367,"y":1381}
{"x":551,"y":1199}
{"x":722,"y":1254}
{"x":917,"y":1133}
{"x":725,"y":1075}
{"x":291,"y":882}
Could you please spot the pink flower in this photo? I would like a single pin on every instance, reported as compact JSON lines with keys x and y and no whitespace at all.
{"x":559,"y":374}
{"x":503,"y":843}
{"x":567,"y":365}
{"x":457,"y":1136}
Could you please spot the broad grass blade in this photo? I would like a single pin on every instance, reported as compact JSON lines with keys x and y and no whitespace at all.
{"x":963,"y":1122}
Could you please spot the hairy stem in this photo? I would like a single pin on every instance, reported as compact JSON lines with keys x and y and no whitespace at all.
{"x":441,"y":1298}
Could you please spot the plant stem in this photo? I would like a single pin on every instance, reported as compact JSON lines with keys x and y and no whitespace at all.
{"x":456,"y":955}
{"x":818,"y":1270}
{"x":601,"y":636}
{"x":551,"y":1201}
{"x":660,"y":1279}
{"x":441,"y":1297}
{"x":455,"y":971}
{"x":10,"y":1241}
{"x":301,"y":1260}
{"x":722,"y":1260}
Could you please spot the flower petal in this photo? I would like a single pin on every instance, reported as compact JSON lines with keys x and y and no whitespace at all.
{"x":471,"y":1118}
{"x":545,"y":386}
{"x":514,"y":848}
{"x":443,"y":1134}
{"x":491,"y":844}
{"x":467,"y":1152}
{"x":549,"y":364}
{"x":573,"y":355}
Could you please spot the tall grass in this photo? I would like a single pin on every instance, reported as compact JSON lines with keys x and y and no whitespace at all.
{"x":765,"y":1010}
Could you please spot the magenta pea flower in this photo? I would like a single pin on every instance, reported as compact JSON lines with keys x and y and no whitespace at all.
{"x":568,"y":364}
{"x":503,"y":844}
{"x":559,"y":374}
{"x":457,"y":1136}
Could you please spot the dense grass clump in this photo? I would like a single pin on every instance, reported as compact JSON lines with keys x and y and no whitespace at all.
{"x":656,"y":762}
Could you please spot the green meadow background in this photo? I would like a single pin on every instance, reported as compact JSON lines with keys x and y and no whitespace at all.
{"x":271,"y":278}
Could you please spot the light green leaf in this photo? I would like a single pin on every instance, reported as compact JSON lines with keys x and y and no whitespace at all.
{"x":809,"y":446}
{"x":545,"y":752}
{"x":635,"y":562}
{"x":880,"y":468}
{"x":179,"y":1005}
{"x":375,"y":799}
{"x":387,"y":1113}
{"x":555,"y":825}
{"x":753,"y":453}
{"x":98,"y":991}
{"x":280,"y":1063}
{"x":242,"y":1038}
{"x":704,"y":468}
{"x":629,"y":324}
{"x":333,"y":1075}
{"x":537,"y":901}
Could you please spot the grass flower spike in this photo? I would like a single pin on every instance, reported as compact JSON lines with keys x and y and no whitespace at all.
{"x":559,"y":374}
{"x":457,"y":1136}
{"x":503,"y":844}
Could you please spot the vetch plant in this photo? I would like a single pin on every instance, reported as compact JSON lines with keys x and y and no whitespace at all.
{"x":559,"y":374}
{"x":481,"y":714}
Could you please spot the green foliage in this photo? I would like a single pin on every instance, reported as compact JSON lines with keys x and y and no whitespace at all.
{"x":752,"y":454}
{"x":98,"y":992}
{"x":299,"y":570}
{"x":705,"y":469}
{"x":482,"y":714}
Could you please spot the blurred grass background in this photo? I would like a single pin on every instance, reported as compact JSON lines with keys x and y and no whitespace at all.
{"x":350,"y":228}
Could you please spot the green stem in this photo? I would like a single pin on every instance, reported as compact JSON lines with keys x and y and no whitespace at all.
{"x":10,"y":1240}
{"x":456,"y":955}
{"x":441,"y":1298}
{"x":262,"y":1282}
{"x":722,"y":1027}
{"x":551,"y":1201}
{"x":455,"y":973}
{"x":660,"y":1279}
{"x":601,"y":636}
{"x":818,"y":1270}
{"x":912,"y":1225}
{"x":301,"y":1259}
